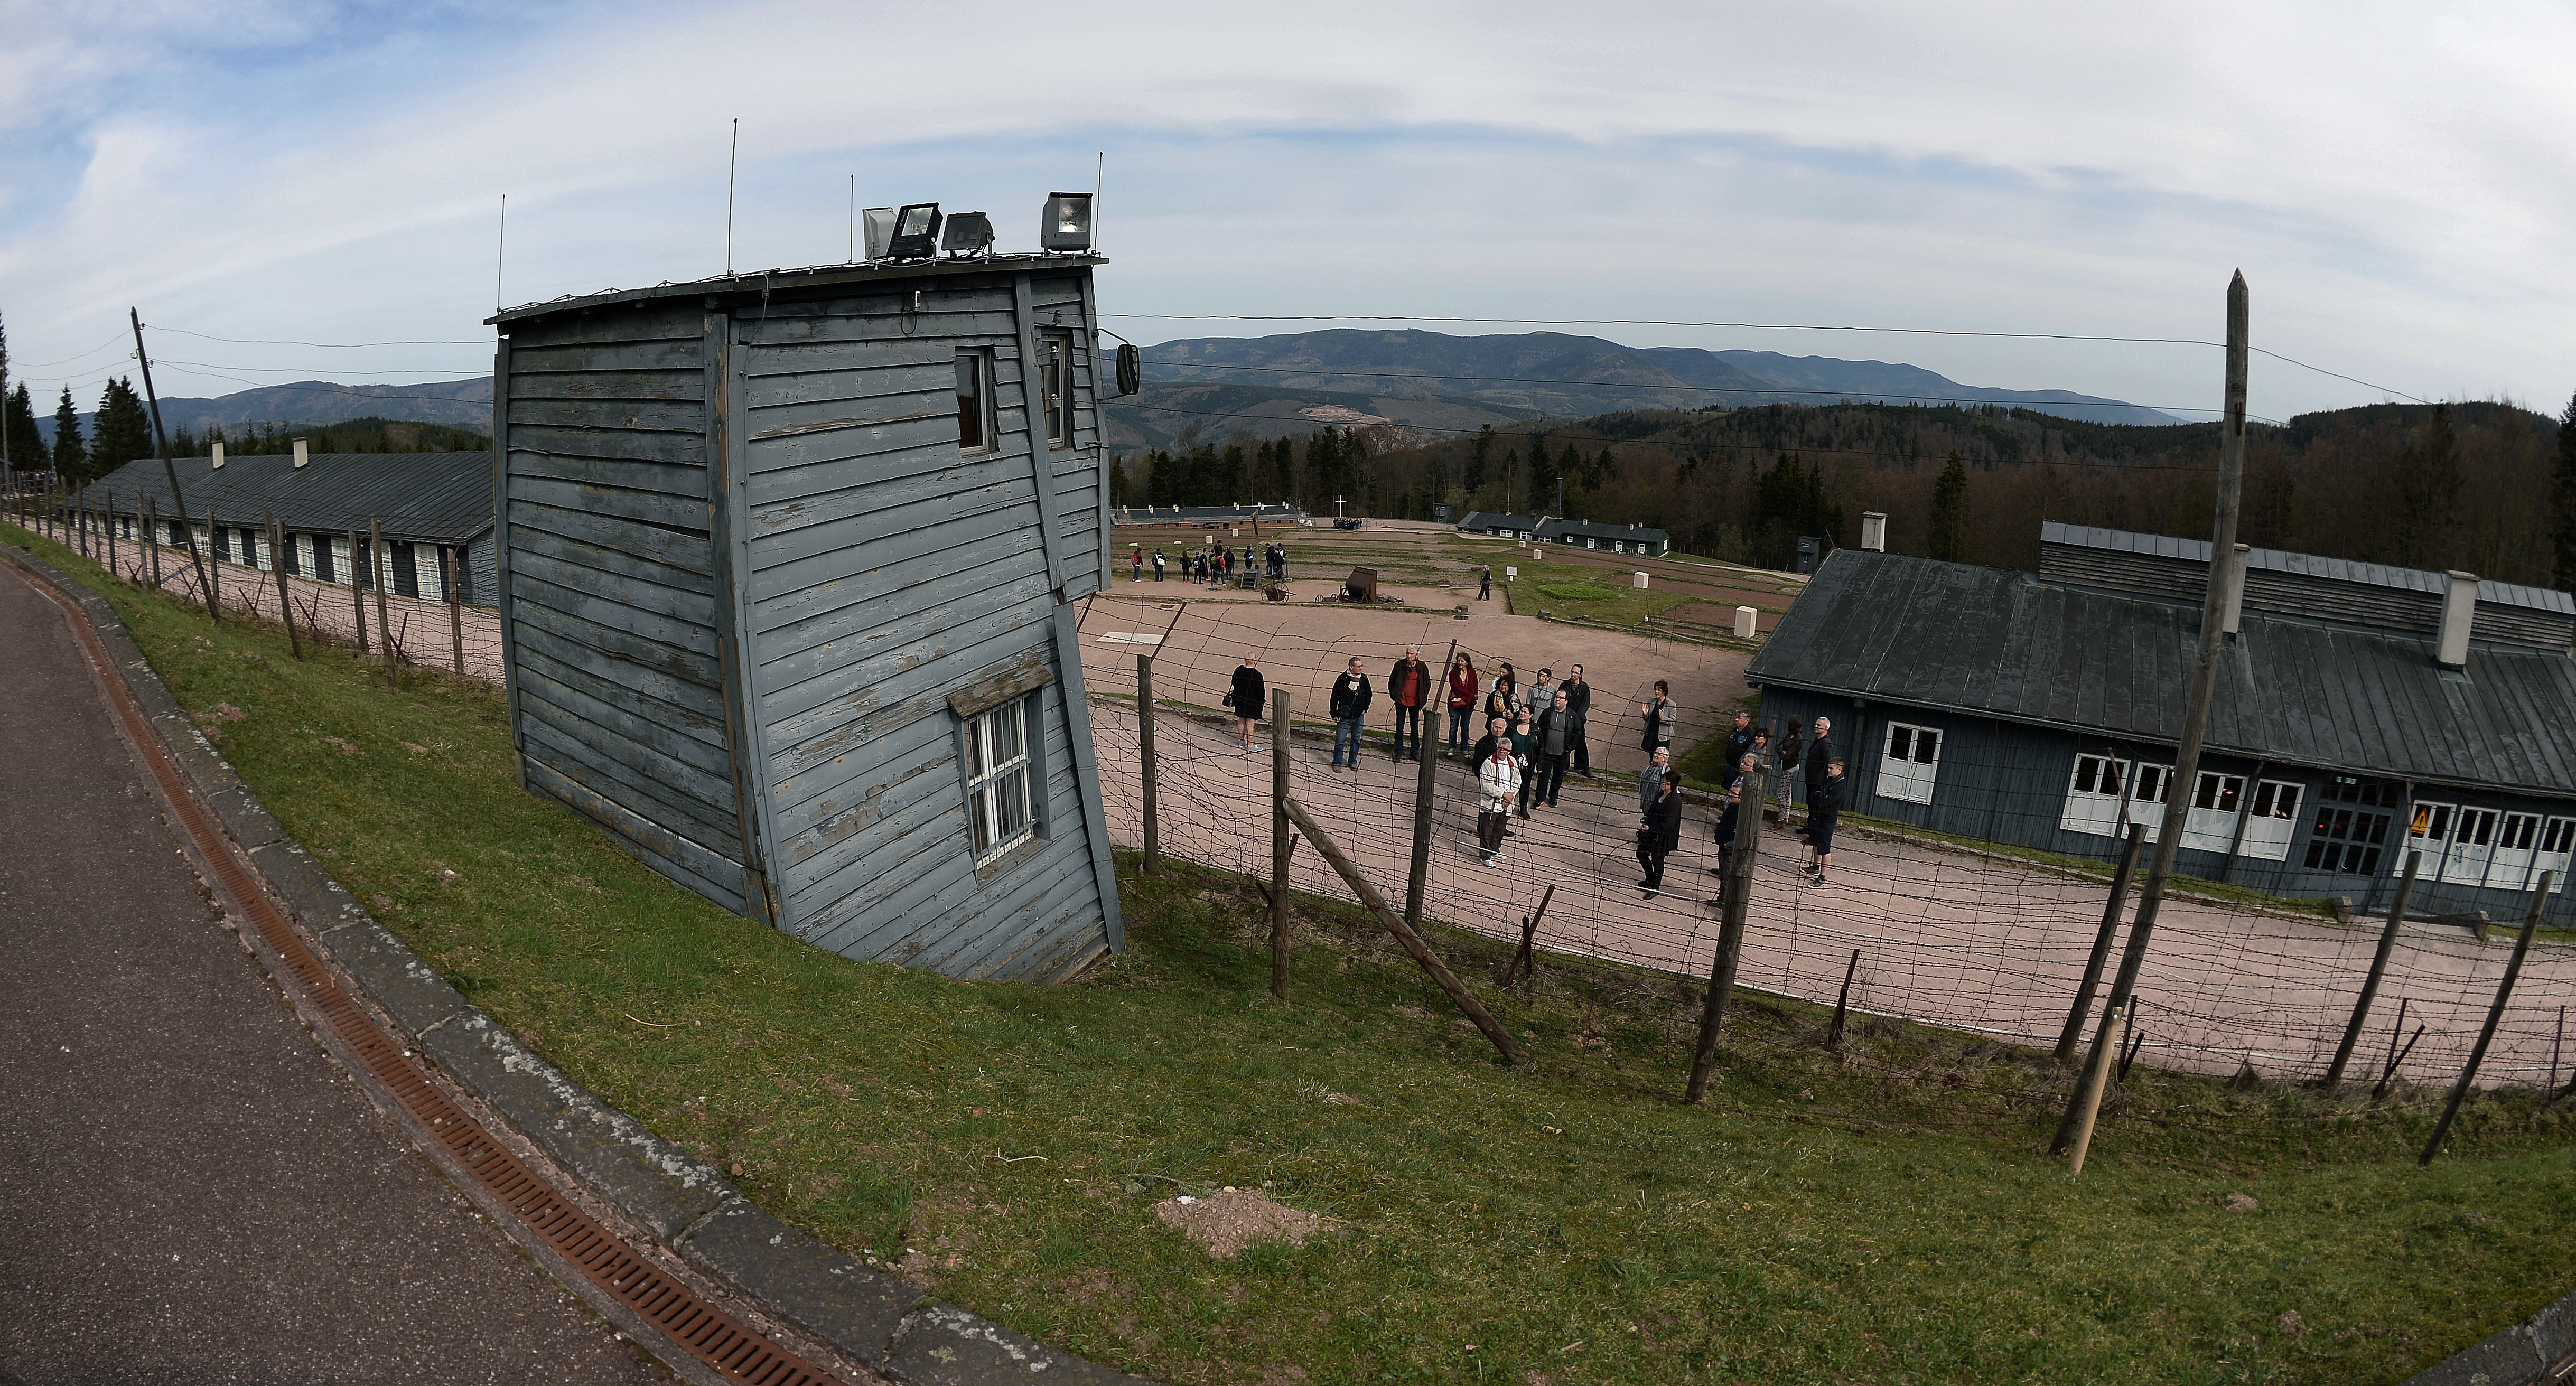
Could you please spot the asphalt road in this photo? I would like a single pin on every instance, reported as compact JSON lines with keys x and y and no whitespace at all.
{"x":197,"y":1192}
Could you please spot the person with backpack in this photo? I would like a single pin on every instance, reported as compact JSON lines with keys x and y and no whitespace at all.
{"x":1350,"y":705}
{"x":1135,"y":565}
{"x":1408,"y":686}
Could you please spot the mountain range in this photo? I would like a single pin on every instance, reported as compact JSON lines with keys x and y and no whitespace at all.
{"x":1298,"y":382}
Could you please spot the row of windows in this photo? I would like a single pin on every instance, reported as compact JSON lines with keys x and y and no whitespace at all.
{"x":417,"y":570}
{"x":979,"y":406}
{"x":2348,"y":834}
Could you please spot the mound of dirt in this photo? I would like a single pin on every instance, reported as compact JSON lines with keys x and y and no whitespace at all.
{"x":1226,"y":1222}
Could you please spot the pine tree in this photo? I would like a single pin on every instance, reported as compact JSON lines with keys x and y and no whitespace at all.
{"x":1477,"y":452}
{"x":1950,"y":512}
{"x":2428,"y":493}
{"x":26,"y":446}
{"x":71,"y":459}
{"x":2562,"y":503}
{"x":121,"y":432}
{"x":1542,"y":477}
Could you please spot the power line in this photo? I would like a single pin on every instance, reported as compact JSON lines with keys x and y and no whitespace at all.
{"x":337,"y":346}
{"x":93,"y":351}
{"x":1761,"y":327}
{"x":231,"y":366}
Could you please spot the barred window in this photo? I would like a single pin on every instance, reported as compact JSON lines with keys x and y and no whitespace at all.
{"x":997,"y":777}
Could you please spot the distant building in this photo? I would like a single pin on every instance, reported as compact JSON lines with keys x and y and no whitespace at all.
{"x":1196,"y":516}
{"x":434,"y":509}
{"x":2361,"y":711}
{"x":1500,"y":526}
{"x":1583,"y":534}
{"x":790,"y":569}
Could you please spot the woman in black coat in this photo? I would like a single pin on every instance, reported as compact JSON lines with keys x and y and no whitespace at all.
{"x":1246,"y":699}
{"x":1662,"y":832}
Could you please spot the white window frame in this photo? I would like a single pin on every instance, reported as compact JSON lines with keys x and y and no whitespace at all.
{"x":2084,"y":812}
{"x":979,"y":360}
{"x":1003,"y":784}
{"x":1055,"y":387}
{"x":2272,"y":819}
{"x":2465,"y":860}
{"x":2213,"y":828}
{"x":1904,"y":774}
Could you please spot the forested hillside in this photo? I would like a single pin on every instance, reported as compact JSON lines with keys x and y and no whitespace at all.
{"x":2466,"y":485}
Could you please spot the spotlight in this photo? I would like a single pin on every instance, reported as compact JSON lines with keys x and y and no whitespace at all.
{"x":967,"y":233}
{"x":878,"y":224}
{"x":916,"y":232}
{"x":1066,"y":222}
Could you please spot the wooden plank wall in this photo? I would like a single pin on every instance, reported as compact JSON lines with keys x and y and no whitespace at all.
{"x":611,"y":610}
{"x":885,"y":570}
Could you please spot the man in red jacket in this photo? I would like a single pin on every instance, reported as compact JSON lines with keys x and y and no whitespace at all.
{"x":1408,"y":686}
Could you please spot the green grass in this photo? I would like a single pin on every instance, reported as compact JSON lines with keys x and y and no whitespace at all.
{"x":1880,"y":1213}
{"x":1601,"y":594}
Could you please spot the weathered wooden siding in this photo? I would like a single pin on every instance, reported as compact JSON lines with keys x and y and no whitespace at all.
{"x":615,"y":667}
{"x":882,"y":569}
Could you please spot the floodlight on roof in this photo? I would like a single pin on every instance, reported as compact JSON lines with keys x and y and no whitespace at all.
{"x":916,"y":232}
{"x":879,"y":224}
{"x":1066,"y":222}
{"x":967,"y":233}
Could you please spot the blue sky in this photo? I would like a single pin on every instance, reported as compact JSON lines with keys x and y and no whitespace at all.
{"x":2396,"y":182}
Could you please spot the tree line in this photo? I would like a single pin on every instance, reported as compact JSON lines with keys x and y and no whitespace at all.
{"x":2484,"y":486}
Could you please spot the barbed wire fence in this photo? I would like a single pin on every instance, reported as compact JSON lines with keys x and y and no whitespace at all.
{"x":358,"y":611}
{"x":1984,"y":940}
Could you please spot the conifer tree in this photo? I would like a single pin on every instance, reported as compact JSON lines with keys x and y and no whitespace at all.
{"x":1477,"y":453}
{"x":26,"y":446}
{"x":1542,"y":477}
{"x":71,"y":459}
{"x":1950,"y":512}
{"x":2562,"y":503}
{"x":120,"y":432}
{"x":2428,"y":493}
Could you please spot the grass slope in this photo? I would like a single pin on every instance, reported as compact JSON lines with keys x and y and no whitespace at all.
{"x":1881,"y":1213}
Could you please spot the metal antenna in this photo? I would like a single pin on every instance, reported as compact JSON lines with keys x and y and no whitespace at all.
{"x":732,"y":161}
{"x":1099,"y":171}
{"x":501,"y":254}
{"x":854,"y":218}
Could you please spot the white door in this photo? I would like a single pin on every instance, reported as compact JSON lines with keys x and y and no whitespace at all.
{"x":2093,"y":796}
{"x":2557,"y":847}
{"x":2273,"y":821}
{"x":2472,"y":847}
{"x":2429,"y":833}
{"x":1912,"y":762}
{"x":2517,"y":849}
{"x":2215,"y":803}
{"x":2147,"y":799}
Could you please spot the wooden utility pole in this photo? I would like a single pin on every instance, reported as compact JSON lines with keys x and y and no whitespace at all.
{"x":1418,"y":880}
{"x":1281,"y":842}
{"x":2195,"y":722}
{"x":1730,"y":930}
{"x":2495,"y":1016}
{"x":169,"y":469}
{"x":2378,"y":969}
{"x":380,"y":566}
{"x":357,"y":590}
{"x":453,"y":562}
{"x":2083,"y":1007}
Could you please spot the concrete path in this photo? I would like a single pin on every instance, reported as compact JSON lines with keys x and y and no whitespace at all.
{"x":197,"y":1191}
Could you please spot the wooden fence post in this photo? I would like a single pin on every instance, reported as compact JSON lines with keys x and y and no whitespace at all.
{"x":380,"y":570}
{"x":1280,"y":843}
{"x":1842,"y":1004}
{"x":2378,"y":969}
{"x":152,"y":538}
{"x":111,"y":538}
{"x":2088,"y":1099}
{"x":1418,"y":880}
{"x":357,"y":591}
{"x":1412,"y":941}
{"x":1145,"y":754}
{"x":2075,"y":1017}
{"x":2495,"y":1016}
{"x":1730,"y":931}
{"x":277,"y":567}
{"x":452,"y":561}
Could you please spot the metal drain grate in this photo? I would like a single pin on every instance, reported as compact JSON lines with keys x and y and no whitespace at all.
{"x":733,"y":1348}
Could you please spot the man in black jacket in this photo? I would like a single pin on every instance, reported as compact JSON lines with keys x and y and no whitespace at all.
{"x":1555,"y":730}
{"x":1739,"y":740}
{"x":1578,"y":700}
{"x":1824,"y":810}
{"x":1660,"y":833}
{"x":1350,"y":705}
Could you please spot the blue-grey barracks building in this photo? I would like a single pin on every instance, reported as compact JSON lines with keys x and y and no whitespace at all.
{"x":2361,"y":711}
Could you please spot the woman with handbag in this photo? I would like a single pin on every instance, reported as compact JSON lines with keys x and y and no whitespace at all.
{"x":1246,"y":699}
{"x":1463,"y":683}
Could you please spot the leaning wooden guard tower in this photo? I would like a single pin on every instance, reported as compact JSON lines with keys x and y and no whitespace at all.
{"x":787,"y":571}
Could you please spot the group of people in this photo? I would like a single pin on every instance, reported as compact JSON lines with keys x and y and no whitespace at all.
{"x":1813,"y":760}
{"x":1214,"y":566}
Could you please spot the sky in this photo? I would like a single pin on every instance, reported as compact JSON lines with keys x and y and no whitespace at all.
{"x":2397,"y":182}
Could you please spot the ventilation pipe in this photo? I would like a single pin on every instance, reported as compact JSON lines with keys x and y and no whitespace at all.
{"x":2459,"y":610}
{"x":2234,"y":577}
{"x":1873,"y":531}
{"x":301,"y":456}
{"x":219,"y":454}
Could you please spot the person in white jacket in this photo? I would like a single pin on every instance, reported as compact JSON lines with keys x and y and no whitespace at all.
{"x":1498,"y":782}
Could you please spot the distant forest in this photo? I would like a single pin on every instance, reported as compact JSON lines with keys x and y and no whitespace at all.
{"x":121,"y":432}
{"x":2490,"y":488}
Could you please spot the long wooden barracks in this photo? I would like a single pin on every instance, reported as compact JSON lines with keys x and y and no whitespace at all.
{"x":787,"y":567}
{"x":2362,"y":711}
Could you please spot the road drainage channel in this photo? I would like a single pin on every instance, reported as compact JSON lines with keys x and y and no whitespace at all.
{"x":736,"y":1350}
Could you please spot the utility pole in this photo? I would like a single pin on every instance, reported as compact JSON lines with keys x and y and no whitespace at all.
{"x":170,"y":469}
{"x":2195,"y":722}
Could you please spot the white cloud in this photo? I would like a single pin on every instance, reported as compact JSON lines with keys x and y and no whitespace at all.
{"x":2396,"y":184}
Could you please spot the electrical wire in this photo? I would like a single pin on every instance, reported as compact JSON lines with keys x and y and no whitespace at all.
{"x":1764,"y":327}
{"x":93,"y":351}
{"x":229,"y":366}
{"x":337,"y":346}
